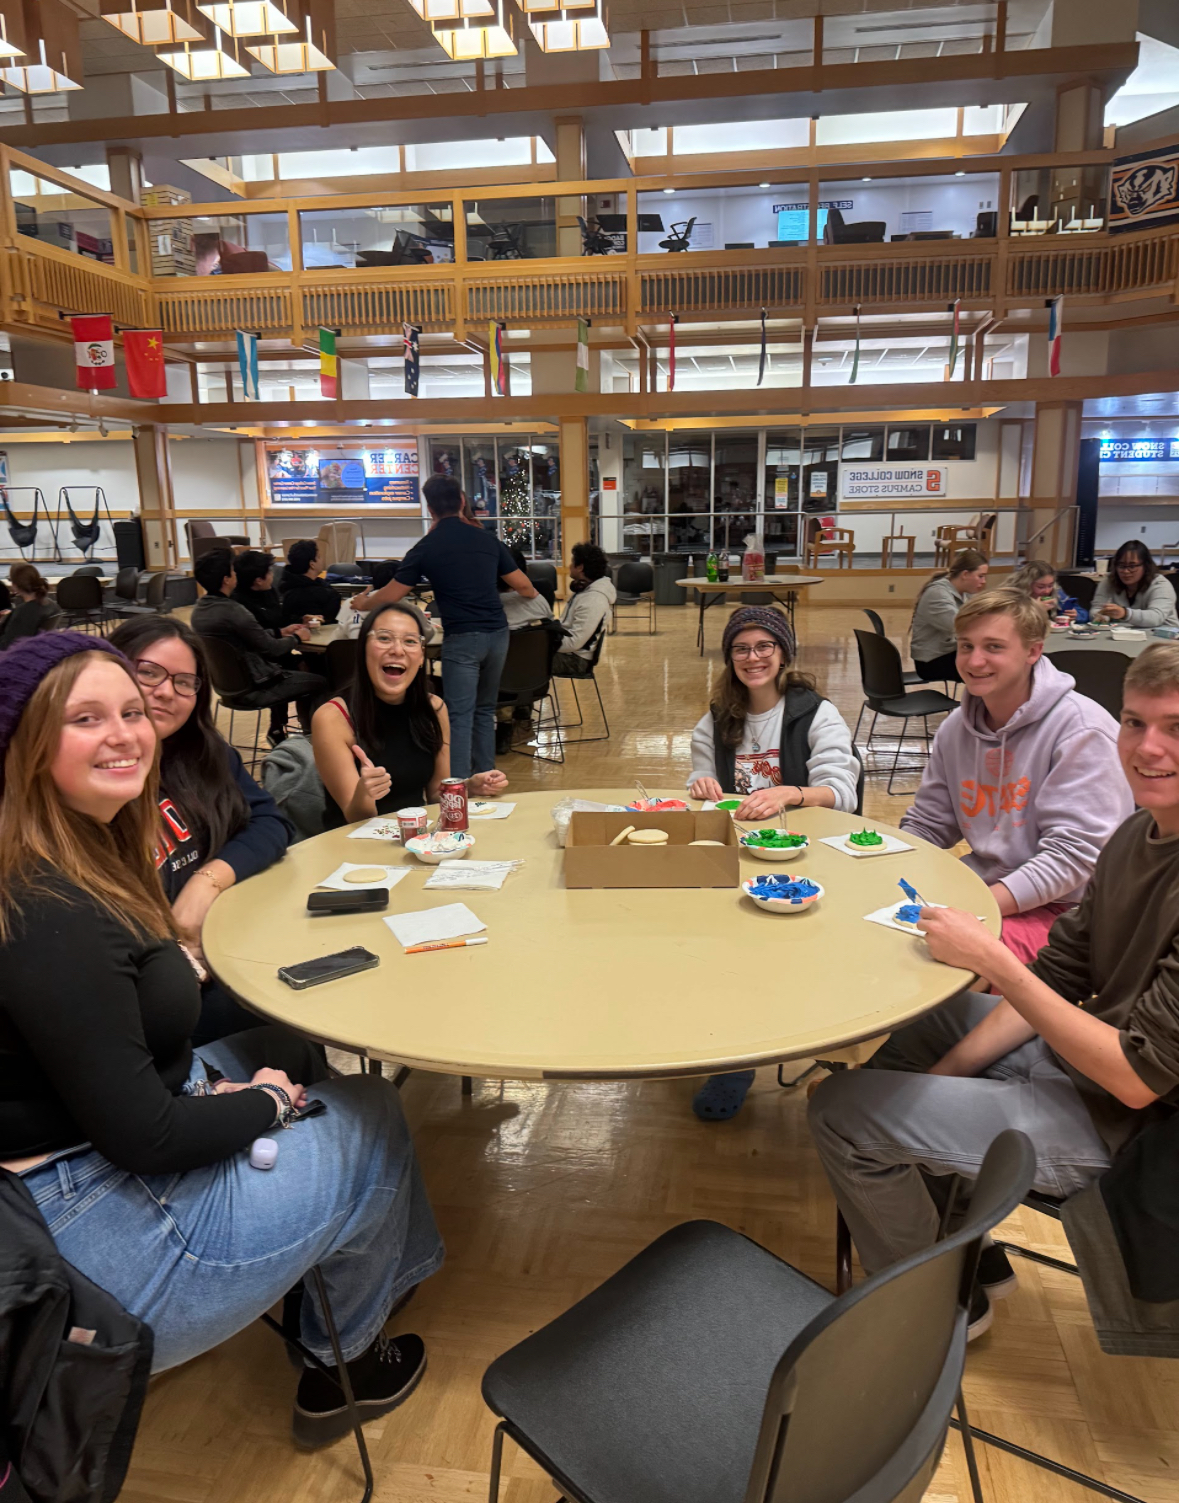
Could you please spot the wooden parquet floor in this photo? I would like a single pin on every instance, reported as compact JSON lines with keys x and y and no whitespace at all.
{"x":542,"y":1191}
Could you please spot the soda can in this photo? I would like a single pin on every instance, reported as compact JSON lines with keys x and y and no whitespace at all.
{"x":412,"y":822}
{"x":452,"y":800}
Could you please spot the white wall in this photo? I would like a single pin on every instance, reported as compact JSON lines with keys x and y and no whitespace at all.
{"x":106,"y":463}
{"x":1155,"y":526}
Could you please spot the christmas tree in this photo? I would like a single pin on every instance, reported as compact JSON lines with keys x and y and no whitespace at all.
{"x":515,"y":504}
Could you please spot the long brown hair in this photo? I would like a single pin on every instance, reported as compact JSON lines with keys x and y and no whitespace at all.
{"x":731,"y":704}
{"x":964,"y":563}
{"x":29,"y":579}
{"x":40,"y":839}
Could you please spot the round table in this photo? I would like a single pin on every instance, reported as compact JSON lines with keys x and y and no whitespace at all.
{"x":597,"y":983}
{"x":1061,"y":641}
{"x":783,"y":587}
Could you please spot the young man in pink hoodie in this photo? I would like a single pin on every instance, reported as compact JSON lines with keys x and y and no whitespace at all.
{"x":1026,"y":772}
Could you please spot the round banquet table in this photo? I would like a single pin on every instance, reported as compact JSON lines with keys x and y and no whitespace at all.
{"x":597,"y":983}
{"x":1060,"y":641}
{"x":783,"y":587}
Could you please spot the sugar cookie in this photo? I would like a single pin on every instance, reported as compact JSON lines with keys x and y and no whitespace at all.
{"x":706,"y":842}
{"x":647,"y":837}
{"x":622,"y":834}
{"x":366,"y":874}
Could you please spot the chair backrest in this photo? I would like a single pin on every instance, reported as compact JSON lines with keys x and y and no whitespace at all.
{"x":337,"y":543}
{"x":1080,"y":587}
{"x":1099,"y":675}
{"x":860,"y":1402}
{"x":199,"y":529}
{"x":84,"y":569}
{"x":877,"y":623}
{"x":227,"y":671}
{"x":860,"y":780}
{"x":880,"y":667}
{"x":127,"y":583}
{"x":635,"y":578}
{"x":596,"y":643}
{"x":529,"y":663}
{"x":79,"y":592}
{"x":156,"y":587}
{"x":538,"y":569}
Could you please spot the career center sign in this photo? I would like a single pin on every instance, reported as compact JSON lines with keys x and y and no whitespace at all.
{"x":892,"y":482}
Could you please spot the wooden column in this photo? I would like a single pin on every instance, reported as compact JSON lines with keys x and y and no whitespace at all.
{"x":575,"y":518}
{"x":1055,"y":454}
{"x":157,"y":506}
{"x":571,"y":167}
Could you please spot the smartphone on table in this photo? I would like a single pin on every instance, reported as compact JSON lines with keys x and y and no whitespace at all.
{"x":328,"y":967}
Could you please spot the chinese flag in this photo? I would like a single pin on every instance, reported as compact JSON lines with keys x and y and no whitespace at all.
{"x":143,"y":351}
{"x":94,"y":351}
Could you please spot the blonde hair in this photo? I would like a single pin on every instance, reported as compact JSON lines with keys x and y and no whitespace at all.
{"x":40,"y":839}
{"x":1155,"y":670}
{"x":1027,"y":575}
{"x":1031,"y":622}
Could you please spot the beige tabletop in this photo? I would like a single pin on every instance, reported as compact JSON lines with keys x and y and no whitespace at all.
{"x":739,"y":586}
{"x":594,"y":984}
{"x":1061,"y":641}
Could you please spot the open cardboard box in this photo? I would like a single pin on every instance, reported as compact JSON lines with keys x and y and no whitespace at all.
{"x":591,"y":861}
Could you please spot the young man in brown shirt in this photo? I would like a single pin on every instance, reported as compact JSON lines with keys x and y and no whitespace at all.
{"x":1073,"y":1050}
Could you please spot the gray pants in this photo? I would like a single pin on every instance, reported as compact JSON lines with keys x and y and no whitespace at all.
{"x":881,"y":1129}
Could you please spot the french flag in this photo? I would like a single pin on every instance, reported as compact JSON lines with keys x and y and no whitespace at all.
{"x":1055,"y":320}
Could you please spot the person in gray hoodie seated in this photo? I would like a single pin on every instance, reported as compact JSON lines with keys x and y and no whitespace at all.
{"x":1134,"y":593}
{"x":931,"y":632}
{"x":591,"y":598}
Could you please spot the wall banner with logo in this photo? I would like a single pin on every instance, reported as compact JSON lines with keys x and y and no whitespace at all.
{"x":892,"y":482}
{"x":1144,"y":189}
{"x":1142,"y":449}
{"x":343,"y":477}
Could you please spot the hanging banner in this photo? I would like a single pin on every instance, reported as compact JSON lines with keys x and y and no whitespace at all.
{"x":581,"y":379}
{"x":247,"y":364}
{"x":501,"y":384}
{"x":143,"y":352}
{"x":1144,"y":190}
{"x":413,"y":359}
{"x":891,"y":482}
{"x":956,"y":309}
{"x":329,"y":366}
{"x":1055,"y":319}
{"x":94,"y":351}
{"x":855,"y":370}
{"x":761,"y":359}
{"x":675,"y":318}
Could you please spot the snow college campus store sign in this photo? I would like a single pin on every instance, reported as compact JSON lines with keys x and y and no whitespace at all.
{"x":892,"y":482}
{"x":342,"y":476}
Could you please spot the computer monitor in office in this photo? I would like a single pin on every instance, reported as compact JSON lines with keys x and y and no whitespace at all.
{"x":794,"y":224}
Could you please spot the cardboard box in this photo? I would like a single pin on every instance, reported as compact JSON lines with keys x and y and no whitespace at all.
{"x":591,"y":861}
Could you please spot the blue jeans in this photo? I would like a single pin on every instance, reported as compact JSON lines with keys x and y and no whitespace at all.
{"x":472,"y":663}
{"x":200,"y":1255}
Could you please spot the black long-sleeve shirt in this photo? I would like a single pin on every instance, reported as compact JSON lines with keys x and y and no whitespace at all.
{"x":303,"y":596}
{"x":95,"y":1025}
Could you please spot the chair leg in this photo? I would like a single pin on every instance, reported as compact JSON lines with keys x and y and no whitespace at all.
{"x":859,"y":719}
{"x":843,"y":1255}
{"x":1043,"y":1259}
{"x":788,"y":1085}
{"x":1045,"y":1463}
{"x":968,"y":1446}
{"x":497,"y":1453}
{"x":468,"y":1085}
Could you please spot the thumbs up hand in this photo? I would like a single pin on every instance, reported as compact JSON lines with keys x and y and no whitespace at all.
{"x":375,"y":780}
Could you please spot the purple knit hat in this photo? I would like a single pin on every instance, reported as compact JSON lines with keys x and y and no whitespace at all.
{"x":25,"y":664}
{"x":770,"y":620}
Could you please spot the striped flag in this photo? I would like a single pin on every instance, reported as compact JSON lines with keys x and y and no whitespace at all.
{"x":329,"y":365}
{"x":855,"y":370}
{"x":675,"y":318}
{"x":955,"y":308}
{"x":94,"y":351}
{"x":581,"y":379}
{"x":501,"y":376}
{"x":247,"y":364}
{"x":413,"y":359}
{"x":761,"y":363}
{"x":1055,"y":320}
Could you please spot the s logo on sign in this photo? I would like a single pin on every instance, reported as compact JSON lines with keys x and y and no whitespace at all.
{"x":933,"y":482}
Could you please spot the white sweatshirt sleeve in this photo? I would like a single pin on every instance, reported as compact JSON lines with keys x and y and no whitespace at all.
{"x":831,"y":762}
{"x":703,"y":760}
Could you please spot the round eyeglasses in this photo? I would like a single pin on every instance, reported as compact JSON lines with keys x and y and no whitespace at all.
{"x":153,"y":675}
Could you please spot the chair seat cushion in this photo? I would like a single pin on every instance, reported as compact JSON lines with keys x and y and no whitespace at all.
{"x":652,"y":1388}
{"x":924,"y":702}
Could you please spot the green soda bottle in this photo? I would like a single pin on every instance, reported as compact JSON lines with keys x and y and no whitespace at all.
{"x":711,"y":568}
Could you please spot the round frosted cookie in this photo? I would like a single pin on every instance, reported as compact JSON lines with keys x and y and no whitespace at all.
{"x":647,"y":837}
{"x":706,"y":842}
{"x":366,"y":874}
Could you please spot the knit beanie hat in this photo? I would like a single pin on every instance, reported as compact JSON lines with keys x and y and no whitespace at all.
{"x":771,"y":621}
{"x":25,"y":664}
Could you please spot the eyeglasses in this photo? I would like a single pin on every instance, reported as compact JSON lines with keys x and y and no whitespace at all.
{"x":384,"y":639}
{"x":755,"y":649}
{"x":153,"y":675}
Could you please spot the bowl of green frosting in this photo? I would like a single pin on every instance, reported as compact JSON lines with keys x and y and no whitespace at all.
{"x":775,"y":844}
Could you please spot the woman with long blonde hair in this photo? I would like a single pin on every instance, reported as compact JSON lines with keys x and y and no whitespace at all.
{"x":135,"y":1149}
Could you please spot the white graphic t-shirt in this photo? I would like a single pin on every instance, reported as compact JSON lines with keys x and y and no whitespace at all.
{"x":755,"y":764}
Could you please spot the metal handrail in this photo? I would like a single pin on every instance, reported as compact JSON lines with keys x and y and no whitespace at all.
{"x":1052,"y":522}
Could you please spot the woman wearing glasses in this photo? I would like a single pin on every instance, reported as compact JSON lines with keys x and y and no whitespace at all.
{"x":217,"y":825}
{"x":385,"y":745}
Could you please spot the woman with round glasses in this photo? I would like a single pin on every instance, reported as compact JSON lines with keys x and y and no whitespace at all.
{"x":217,"y":826}
{"x":385,"y":744}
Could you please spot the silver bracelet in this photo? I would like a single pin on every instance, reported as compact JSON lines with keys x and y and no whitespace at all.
{"x":285,"y":1105}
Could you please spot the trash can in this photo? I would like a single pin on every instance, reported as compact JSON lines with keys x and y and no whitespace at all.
{"x":669,"y":568}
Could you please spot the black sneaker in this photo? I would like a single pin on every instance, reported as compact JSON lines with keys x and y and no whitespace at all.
{"x":980,"y":1317}
{"x":995,"y":1273}
{"x":382,"y":1378}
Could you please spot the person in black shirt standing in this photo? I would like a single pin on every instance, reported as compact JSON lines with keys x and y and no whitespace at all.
{"x":463,"y":563}
{"x":302,"y":590}
{"x":104,"y":1107}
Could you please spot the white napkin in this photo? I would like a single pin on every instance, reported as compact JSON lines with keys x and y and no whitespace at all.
{"x":891,"y":844}
{"x":393,"y":875}
{"x":476,"y":876}
{"x":483,"y":808}
{"x":383,"y":827}
{"x":886,"y":916}
{"x":451,"y":921}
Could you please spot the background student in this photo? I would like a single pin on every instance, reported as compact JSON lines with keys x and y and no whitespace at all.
{"x":591,"y":599}
{"x":302,"y":590}
{"x":254,"y":588}
{"x":1134,"y":593}
{"x":1038,"y":580}
{"x":931,"y":632}
{"x":34,"y":610}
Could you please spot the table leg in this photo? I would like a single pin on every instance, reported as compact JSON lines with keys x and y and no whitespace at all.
{"x":702,"y":597}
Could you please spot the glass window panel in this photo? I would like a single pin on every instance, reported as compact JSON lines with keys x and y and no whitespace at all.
{"x":690,"y":534}
{"x":886,"y":125}
{"x":783,"y":462}
{"x":819,"y":489}
{"x":643,"y":476}
{"x":909,"y":443}
{"x":546,"y":537}
{"x":781,"y":534}
{"x":863,"y":443}
{"x":220,"y":245}
{"x":740,"y":135}
{"x":736,"y":474}
{"x":546,"y":480}
{"x":54,"y":216}
{"x":983,"y":119}
{"x":446,"y":457}
{"x":716,"y":218}
{"x":729,"y":530}
{"x":688,"y":463}
{"x":355,"y":161}
{"x":511,"y":229}
{"x":515,"y":495}
{"x":444,"y":156}
{"x":400,"y":235}
{"x":953,"y":441}
{"x":649,"y":143}
{"x":480,"y":479}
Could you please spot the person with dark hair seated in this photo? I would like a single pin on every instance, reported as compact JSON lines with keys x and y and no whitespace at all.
{"x":519,"y":610}
{"x":254,"y":571}
{"x":216,"y":615}
{"x":217,"y":826}
{"x":591,"y":599}
{"x":1134,"y":593}
{"x":35,"y":610}
{"x":302,"y":590}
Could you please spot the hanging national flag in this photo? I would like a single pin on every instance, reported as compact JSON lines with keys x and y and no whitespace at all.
{"x":501,"y":381}
{"x":94,"y":351}
{"x":413,"y":358}
{"x":675,"y":318}
{"x":761,"y":364}
{"x":143,"y":352}
{"x":1055,"y":320}
{"x":855,"y":372}
{"x":581,"y":379}
{"x":329,"y":365}
{"x":955,"y":308}
{"x":247,"y":364}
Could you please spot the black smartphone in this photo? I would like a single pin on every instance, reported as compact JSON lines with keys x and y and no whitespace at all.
{"x":365,"y":900}
{"x":328,"y":967}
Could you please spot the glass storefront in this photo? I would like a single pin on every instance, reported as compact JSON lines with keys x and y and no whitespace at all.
{"x":513,"y":484}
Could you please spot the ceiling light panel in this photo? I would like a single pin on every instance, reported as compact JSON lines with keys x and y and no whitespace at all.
{"x":249,"y":18}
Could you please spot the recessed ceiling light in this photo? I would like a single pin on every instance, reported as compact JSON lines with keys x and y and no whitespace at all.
{"x":865,"y":180}
{"x":669,"y":190}
{"x":959,"y":174}
{"x":763,"y":185}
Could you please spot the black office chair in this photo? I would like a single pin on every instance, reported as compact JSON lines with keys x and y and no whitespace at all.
{"x":680,"y":238}
{"x":1079,"y":586}
{"x":340,"y":659}
{"x":526,"y":683}
{"x":837,"y":232}
{"x":594,"y":240}
{"x":1099,"y":675}
{"x":883,"y":682}
{"x":503,"y":243}
{"x":986,"y":225}
{"x":586,"y":668}
{"x":636,"y":586}
{"x":544,"y":577}
{"x":79,"y":598}
{"x":908,"y":675}
{"x":123,"y":600}
{"x":237,"y":691}
{"x":96,"y":571}
{"x":707,"y":1370}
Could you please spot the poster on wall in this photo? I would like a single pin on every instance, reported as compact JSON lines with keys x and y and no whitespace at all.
{"x":781,"y":492}
{"x":3,"y":466}
{"x":892,"y":482}
{"x":1144,"y":189}
{"x":817,"y":488}
{"x":343,"y":477}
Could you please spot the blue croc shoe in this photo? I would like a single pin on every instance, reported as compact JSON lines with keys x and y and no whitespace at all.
{"x":722,"y":1096}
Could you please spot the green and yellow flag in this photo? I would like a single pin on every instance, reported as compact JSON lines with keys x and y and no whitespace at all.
{"x":581,"y":380}
{"x":329,"y":365}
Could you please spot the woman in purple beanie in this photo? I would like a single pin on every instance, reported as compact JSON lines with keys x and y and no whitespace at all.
{"x":135,"y":1149}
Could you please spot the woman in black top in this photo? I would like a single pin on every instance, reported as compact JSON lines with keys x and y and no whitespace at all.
{"x":217,"y":827}
{"x":386,"y":744}
{"x":135,"y":1150}
{"x":35,"y":610}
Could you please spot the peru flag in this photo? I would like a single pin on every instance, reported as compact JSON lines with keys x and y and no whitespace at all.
{"x":94,"y":351}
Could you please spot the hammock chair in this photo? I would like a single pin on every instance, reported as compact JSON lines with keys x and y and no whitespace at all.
{"x":86,"y":534}
{"x":24,"y":534}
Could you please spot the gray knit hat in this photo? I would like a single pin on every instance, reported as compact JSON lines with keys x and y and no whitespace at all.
{"x":25,"y":664}
{"x":770,"y":620}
